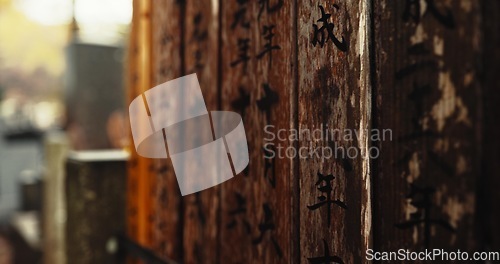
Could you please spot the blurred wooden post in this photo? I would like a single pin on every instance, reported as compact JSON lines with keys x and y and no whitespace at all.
{"x":54,"y":200}
{"x":141,"y":175}
{"x":428,"y":90}
{"x":167,"y":64}
{"x":201,"y":230}
{"x":95,"y":204}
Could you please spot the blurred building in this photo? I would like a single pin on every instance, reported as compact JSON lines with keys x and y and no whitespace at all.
{"x":94,"y":93}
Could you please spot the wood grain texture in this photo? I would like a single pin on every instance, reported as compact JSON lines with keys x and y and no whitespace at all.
{"x":334,"y":93}
{"x":427,"y":93}
{"x":167,"y":65}
{"x":141,"y":180}
{"x":258,"y":65}
{"x":201,"y":210}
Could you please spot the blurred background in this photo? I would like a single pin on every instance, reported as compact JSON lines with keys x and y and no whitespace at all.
{"x":54,"y":54}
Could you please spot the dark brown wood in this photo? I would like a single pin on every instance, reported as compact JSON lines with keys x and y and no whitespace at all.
{"x":201,"y":210}
{"x":428,"y":94}
{"x":256,"y":217}
{"x":488,"y":194}
{"x":167,"y":65}
{"x":334,"y":93}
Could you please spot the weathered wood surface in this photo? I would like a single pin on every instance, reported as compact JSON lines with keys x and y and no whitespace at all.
{"x":428,"y":93}
{"x":201,"y":210}
{"x":414,"y":72}
{"x":258,"y":64}
{"x":167,"y":63}
{"x":334,"y":93}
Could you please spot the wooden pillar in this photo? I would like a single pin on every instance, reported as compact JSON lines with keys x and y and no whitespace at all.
{"x":141,"y":185}
{"x":54,"y":201}
{"x":201,"y":227}
{"x":258,"y":65}
{"x":334,"y":95}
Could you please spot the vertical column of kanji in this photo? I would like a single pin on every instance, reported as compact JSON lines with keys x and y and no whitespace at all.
{"x":334,"y":104}
{"x":257,"y":62}
{"x":427,"y":98}
{"x":167,"y":38}
{"x":488,"y":193}
{"x":141,"y":180}
{"x":201,"y":47}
